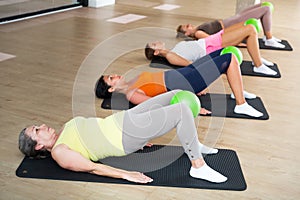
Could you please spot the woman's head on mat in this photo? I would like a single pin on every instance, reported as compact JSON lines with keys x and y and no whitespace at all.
{"x":153,"y":49}
{"x":108,"y":84}
{"x":35,"y":140}
{"x":186,"y":29}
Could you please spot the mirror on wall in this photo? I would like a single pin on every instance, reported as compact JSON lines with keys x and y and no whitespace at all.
{"x":12,"y":9}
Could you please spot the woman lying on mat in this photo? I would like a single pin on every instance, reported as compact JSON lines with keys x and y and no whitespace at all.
{"x":186,"y":52}
{"x":195,"y":78}
{"x":83,"y":140}
{"x":257,"y":11}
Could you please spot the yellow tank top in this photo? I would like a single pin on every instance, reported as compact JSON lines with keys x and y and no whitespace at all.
{"x":151,"y":83}
{"x":94,"y":138}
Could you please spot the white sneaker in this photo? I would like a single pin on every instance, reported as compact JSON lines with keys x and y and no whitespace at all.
{"x":246,"y":109}
{"x":263,"y":69}
{"x":247,"y":95}
{"x":273,"y":43}
{"x":207,"y":173}
{"x":276,"y":39}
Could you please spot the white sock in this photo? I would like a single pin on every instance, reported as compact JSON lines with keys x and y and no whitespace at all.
{"x":273,"y":43}
{"x":246,"y":109}
{"x":265,"y":62}
{"x":264,"y":70}
{"x":207,"y":173}
{"x":276,"y":39}
{"x":207,"y":150}
{"x":247,"y":95}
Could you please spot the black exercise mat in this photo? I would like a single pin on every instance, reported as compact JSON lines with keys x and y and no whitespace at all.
{"x":222,"y":105}
{"x":287,"y":47}
{"x":161,"y":62}
{"x":246,"y":67}
{"x":247,"y":70}
{"x":174,"y":174}
{"x":215,"y":103}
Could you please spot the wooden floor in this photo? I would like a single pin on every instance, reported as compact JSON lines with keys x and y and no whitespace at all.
{"x":58,"y":58}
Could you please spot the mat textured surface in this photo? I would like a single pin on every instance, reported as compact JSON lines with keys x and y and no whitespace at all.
{"x":288,"y":47}
{"x":247,"y":70}
{"x":174,"y":174}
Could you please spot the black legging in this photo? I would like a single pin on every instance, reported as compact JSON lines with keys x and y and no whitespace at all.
{"x":200,"y":74}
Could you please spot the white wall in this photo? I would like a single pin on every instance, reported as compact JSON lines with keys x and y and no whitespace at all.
{"x":242,"y":4}
{"x":100,"y":3}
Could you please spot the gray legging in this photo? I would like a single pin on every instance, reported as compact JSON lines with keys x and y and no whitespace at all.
{"x":156,"y":117}
{"x":257,"y":11}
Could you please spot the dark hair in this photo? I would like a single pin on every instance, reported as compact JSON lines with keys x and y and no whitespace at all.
{"x":149,"y":52}
{"x":101,"y":89}
{"x":27,"y":146}
{"x":179,"y":29}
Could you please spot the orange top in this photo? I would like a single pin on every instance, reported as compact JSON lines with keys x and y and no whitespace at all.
{"x":151,"y":83}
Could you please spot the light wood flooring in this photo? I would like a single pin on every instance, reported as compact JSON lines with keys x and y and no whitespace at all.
{"x":59,"y":57}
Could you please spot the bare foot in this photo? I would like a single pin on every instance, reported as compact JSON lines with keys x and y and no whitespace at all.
{"x":147,"y":145}
{"x":203,"y":111}
{"x":203,"y":92}
{"x":242,"y":45}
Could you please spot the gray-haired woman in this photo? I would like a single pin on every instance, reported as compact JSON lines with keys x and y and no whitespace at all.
{"x":84,"y":140}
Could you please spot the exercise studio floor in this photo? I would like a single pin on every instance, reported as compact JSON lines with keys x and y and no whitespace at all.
{"x":49,"y":67}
